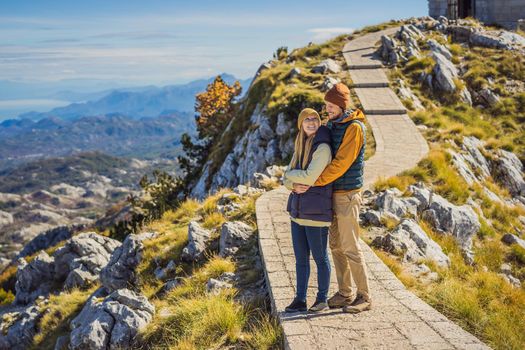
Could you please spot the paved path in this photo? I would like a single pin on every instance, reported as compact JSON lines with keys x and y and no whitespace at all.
{"x":369,"y":79}
{"x":399,"y":319}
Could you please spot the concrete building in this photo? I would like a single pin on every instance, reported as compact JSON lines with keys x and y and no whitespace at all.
{"x":505,"y":13}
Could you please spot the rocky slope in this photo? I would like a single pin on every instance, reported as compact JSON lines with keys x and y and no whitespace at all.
{"x":46,"y":201}
{"x":453,"y":227}
{"x":90,"y":291}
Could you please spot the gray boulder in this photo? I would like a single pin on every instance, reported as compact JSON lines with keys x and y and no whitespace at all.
{"x":294,"y":72}
{"x":423,"y":194}
{"x":265,"y":130}
{"x":489,"y":97}
{"x":477,"y":160}
{"x":459,"y":221}
{"x":406,"y":93}
{"x":390,"y":50}
{"x":460,"y":163}
{"x":390,"y":201}
{"x":441,"y":49}
{"x":327,"y":66}
{"x":507,"y":169}
{"x":465,"y":96}
{"x":233,"y":235}
{"x":243,"y":190}
{"x":506,"y":273}
{"x":48,"y":239}
{"x":34,"y":279}
{"x":198,"y":237}
{"x":444,"y":73}
{"x":19,"y":326}
{"x":80,"y":260}
{"x":497,"y":39}
{"x":470,"y":162}
{"x":272,"y":151}
{"x":225,"y":281}
{"x":120,"y":270}
{"x":328,"y":83}
{"x":110,"y":323}
{"x":371,"y":217}
{"x":163,"y":272}
{"x":510,"y":239}
{"x":409,"y":240}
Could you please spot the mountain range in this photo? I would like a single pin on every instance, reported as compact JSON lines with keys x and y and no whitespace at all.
{"x":137,"y":102}
{"x":142,"y":122}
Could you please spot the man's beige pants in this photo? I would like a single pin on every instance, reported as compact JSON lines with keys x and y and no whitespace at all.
{"x":344,"y":242}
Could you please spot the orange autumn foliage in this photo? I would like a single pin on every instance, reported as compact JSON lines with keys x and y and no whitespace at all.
{"x":214,"y":106}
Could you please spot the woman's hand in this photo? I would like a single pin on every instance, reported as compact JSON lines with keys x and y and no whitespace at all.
{"x":300,"y":188}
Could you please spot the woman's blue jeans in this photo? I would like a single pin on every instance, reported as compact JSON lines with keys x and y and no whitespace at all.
{"x":308,"y":239}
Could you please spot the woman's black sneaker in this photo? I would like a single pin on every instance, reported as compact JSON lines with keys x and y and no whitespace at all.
{"x":296,"y":306}
{"x":318,"y":306}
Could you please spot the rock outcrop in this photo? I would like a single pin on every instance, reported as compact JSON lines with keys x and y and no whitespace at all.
{"x":391,"y":201}
{"x":409,"y":240}
{"x":198,"y":237}
{"x":76,"y":264}
{"x":258,"y":148}
{"x":327,"y":66}
{"x":120,"y":272}
{"x":79,"y":262}
{"x":34,"y":279}
{"x":462,"y":222}
{"x":110,"y":321}
{"x":459,"y":221}
{"x":18,"y":326}
{"x":510,"y":239}
{"x":507,"y":169}
{"x":233,"y":235}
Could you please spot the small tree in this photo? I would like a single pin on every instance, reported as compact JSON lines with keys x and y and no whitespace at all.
{"x":215,"y":107}
{"x":194,"y":157}
{"x":281,"y":52}
{"x":157,"y":197}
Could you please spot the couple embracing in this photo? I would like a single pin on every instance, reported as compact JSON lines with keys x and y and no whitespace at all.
{"x":325,"y":176}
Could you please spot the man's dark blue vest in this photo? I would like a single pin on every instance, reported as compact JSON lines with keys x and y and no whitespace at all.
{"x":316,"y":203}
{"x":353,"y":177}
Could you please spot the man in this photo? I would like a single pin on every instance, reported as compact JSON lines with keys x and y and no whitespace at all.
{"x":346,"y":173}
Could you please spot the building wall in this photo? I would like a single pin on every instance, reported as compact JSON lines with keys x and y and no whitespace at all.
{"x":437,"y":8}
{"x":503,"y":12}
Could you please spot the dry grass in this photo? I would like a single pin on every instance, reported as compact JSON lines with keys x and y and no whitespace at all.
{"x":198,"y":320}
{"x":58,"y":314}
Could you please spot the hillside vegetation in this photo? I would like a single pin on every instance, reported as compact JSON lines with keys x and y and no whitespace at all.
{"x":482,"y":291}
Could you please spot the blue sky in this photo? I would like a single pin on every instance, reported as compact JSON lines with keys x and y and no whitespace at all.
{"x":160,"y":42}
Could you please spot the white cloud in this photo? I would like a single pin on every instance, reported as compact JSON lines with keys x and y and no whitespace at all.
{"x":323,"y":34}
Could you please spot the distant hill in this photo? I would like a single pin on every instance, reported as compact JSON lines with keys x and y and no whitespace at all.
{"x":25,"y":140}
{"x":74,"y":170}
{"x":149,"y":101}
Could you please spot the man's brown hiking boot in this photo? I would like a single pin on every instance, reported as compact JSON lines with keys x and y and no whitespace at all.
{"x":338,"y":300}
{"x":361,"y":303}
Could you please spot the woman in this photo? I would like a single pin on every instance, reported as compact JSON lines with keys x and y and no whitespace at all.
{"x":311,"y":212}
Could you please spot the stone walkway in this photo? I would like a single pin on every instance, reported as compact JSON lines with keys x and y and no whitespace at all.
{"x":399,"y":319}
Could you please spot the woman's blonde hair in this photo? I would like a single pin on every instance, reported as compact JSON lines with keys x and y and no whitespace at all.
{"x":303,"y":143}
